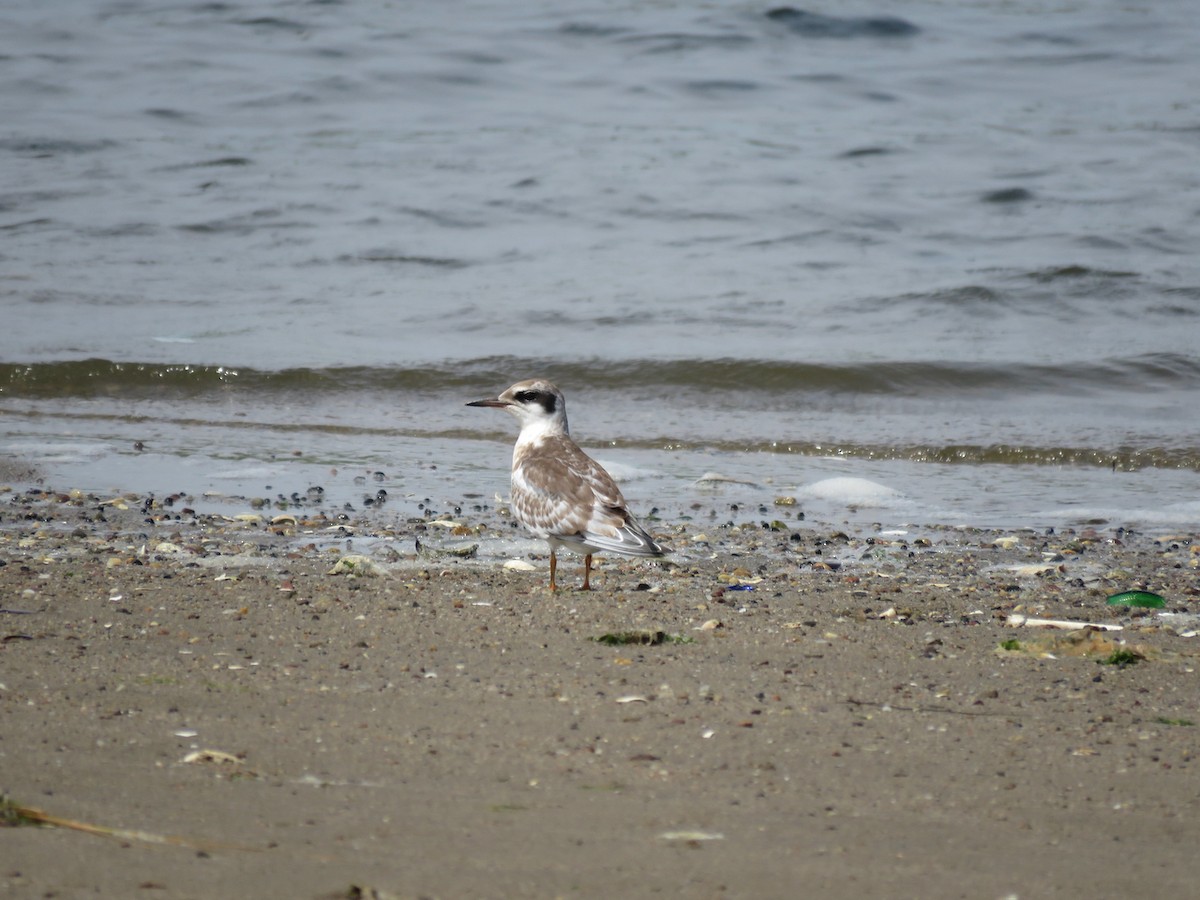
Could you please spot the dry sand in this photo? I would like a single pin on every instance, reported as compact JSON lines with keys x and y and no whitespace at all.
{"x":445,"y":728}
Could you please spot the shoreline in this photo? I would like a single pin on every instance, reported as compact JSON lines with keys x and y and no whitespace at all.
{"x":209,"y":455}
{"x":828,"y":709}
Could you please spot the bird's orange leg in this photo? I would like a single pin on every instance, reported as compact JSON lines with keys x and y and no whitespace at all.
{"x":553,"y":568}
{"x":587,"y":572}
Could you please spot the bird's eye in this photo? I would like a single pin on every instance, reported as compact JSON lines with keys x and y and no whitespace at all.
{"x":526,"y":396}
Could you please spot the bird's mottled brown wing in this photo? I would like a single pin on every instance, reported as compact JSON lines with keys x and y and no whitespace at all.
{"x":559,"y":491}
{"x":546,"y":494}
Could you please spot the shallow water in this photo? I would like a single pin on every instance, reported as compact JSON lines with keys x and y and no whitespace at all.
{"x":956,"y":259}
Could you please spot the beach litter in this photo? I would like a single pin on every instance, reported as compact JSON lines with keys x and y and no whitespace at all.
{"x":1141,"y":599}
{"x":1015,"y":620}
{"x":14,"y":815}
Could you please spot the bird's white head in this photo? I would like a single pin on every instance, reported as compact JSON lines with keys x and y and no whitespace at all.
{"x":537,"y":404}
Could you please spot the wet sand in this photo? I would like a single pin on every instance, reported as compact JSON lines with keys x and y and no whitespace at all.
{"x":820,"y":714}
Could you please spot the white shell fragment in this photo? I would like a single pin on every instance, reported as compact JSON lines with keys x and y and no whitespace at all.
{"x":718,"y":478}
{"x":211,"y":756}
{"x":1016,"y":621}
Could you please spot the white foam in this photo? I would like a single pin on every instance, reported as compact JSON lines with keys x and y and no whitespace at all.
{"x":851,"y":492}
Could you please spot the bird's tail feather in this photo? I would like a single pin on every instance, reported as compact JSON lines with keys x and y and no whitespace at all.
{"x":627,"y":542}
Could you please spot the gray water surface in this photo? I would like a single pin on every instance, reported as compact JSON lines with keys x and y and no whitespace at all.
{"x":948,"y":250}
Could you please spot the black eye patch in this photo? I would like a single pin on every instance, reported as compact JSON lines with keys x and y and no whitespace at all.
{"x":545,"y":399}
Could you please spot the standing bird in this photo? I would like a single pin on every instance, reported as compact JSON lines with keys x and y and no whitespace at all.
{"x":560,"y":493}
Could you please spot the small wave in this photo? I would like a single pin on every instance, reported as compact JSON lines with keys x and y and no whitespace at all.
{"x":102,"y":377}
{"x":37,"y":147}
{"x":1076,"y":273}
{"x":274,"y":23}
{"x":817,"y":25}
{"x":679,"y":42}
{"x":743,"y":380}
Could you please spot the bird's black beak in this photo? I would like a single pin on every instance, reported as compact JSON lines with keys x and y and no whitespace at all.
{"x":498,"y":403}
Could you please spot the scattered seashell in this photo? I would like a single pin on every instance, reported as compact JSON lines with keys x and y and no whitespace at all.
{"x":212,"y":756}
{"x":1006,"y":543}
{"x":355,"y":564}
{"x":710,"y":625}
{"x":632,"y":698}
{"x":520,"y":565}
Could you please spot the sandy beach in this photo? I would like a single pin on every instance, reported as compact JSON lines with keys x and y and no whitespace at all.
{"x":774,"y":712}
